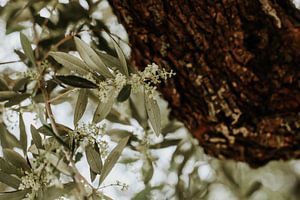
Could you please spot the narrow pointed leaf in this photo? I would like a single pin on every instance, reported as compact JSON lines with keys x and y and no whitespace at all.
{"x":27,"y":48}
{"x":124,"y":94}
{"x":36,"y":137}
{"x":16,"y":159}
{"x":94,"y":159}
{"x":59,"y":164}
{"x":20,"y":84}
{"x":109,"y":60}
{"x":23,"y":135}
{"x":15,"y":195}
{"x":76,"y":81}
{"x":81,"y":104}
{"x":17,"y":99}
{"x":6,"y":95}
{"x":91,"y":58}
{"x":145,"y":194}
{"x":3,"y":85}
{"x":71,"y":62}
{"x":53,"y":192}
{"x":153,"y":113}
{"x":253,"y":188}
{"x":8,"y":168}
{"x":103,"y":109}
{"x":122,"y":59}
{"x":9,"y":180}
{"x":93,"y":175}
{"x":112,"y":158}
{"x":12,"y":141}
{"x":147,"y":171}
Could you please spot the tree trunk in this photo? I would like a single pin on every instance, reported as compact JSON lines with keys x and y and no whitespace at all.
{"x":237,"y":70}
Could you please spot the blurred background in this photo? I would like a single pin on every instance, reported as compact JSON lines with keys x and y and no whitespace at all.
{"x":173,"y":168}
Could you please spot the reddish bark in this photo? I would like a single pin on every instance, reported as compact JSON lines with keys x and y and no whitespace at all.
{"x":237,"y":64}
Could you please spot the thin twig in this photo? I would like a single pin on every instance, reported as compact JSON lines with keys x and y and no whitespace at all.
{"x":10,"y":62}
{"x":61,"y":95}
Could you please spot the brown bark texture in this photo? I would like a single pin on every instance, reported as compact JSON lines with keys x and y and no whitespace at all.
{"x":237,"y":70}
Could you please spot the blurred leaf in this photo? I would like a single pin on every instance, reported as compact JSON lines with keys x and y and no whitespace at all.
{"x":59,"y":164}
{"x":109,"y":60}
{"x":93,"y":175}
{"x":16,"y":159}
{"x":153,"y":114}
{"x":71,"y":62}
{"x":53,"y":193}
{"x":165,"y":143}
{"x":9,"y":180}
{"x":15,"y":195}
{"x":8,"y":168}
{"x":227,"y":171}
{"x":6,"y":95}
{"x":115,"y":116}
{"x":23,"y":135}
{"x":112,"y":158}
{"x":14,"y":28}
{"x":78,"y":156}
{"x":124,"y":93}
{"x":145,"y":194}
{"x":103,"y":109}
{"x":17,"y":99}
{"x":81,"y":104}
{"x":100,"y":197}
{"x":76,"y":81}
{"x":171,"y":127}
{"x":94,"y":159}
{"x":138,"y":110}
{"x":122,"y":59}
{"x":45,"y":130}
{"x":117,"y":134}
{"x":20,"y":83}
{"x":37,"y":139}
{"x":129,"y":160}
{"x":7,"y":139}
{"x":3,"y":85}
{"x":91,"y":58}
{"x":27,"y":48}
{"x":253,"y":188}
{"x":147,"y":170}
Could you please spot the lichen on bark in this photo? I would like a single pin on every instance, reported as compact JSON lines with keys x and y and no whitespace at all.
{"x":237,"y":65}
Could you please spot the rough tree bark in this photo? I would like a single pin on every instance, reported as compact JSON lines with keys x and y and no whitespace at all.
{"x":237,"y":64}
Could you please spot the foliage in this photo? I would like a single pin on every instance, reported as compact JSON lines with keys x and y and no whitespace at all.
{"x":94,"y":77}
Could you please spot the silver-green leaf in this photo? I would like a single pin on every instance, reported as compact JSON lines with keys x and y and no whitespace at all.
{"x":153,"y":113}
{"x":8,"y":168}
{"x":103,"y":109}
{"x":91,"y":58}
{"x":58,"y":163}
{"x":23,"y":135}
{"x":94,"y":159}
{"x":36,"y":137}
{"x":71,"y":62}
{"x":122,"y":59}
{"x":15,"y":195}
{"x":16,"y":159}
{"x":9,"y":180}
{"x":27,"y":48}
{"x":81,"y":104}
{"x":112,"y":158}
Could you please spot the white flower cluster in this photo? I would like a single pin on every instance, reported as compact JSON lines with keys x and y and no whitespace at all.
{"x":110,"y":87}
{"x":41,"y":175}
{"x":151,"y":76}
{"x":30,"y":180}
{"x":147,"y":79}
{"x":90,"y":134}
